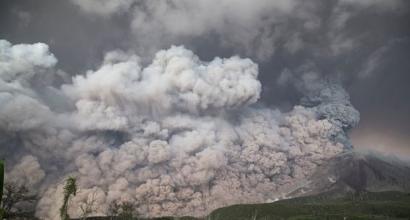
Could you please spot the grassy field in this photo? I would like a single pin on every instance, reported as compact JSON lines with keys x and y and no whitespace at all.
{"x":383,"y":205}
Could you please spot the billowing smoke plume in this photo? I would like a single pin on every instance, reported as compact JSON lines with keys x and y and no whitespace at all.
{"x":179,"y":136}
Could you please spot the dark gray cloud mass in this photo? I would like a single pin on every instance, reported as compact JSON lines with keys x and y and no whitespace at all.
{"x":259,"y":94}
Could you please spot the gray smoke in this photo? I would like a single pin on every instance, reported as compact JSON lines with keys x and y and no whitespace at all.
{"x":256,"y":28}
{"x":179,"y":136}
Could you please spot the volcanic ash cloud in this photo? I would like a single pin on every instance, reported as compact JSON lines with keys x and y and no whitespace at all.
{"x":177,"y":137}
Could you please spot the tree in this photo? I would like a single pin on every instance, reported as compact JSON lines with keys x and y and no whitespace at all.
{"x":122,"y":210}
{"x":15,"y":200}
{"x":114,"y":209}
{"x":87,"y":206}
{"x":70,"y":189}
{"x":127,"y":210}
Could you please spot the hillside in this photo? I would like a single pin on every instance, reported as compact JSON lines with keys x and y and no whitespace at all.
{"x":357,"y":172}
{"x":353,"y":206}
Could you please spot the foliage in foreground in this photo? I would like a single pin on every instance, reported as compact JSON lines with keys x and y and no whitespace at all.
{"x":1,"y":186}
{"x":70,"y":189}
{"x":12,"y":196}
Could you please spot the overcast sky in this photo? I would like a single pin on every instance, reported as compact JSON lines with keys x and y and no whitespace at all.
{"x":365,"y":44}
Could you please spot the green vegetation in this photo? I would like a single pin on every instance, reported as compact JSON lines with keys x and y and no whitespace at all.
{"x":70,"y":189}
{"x":392,"y":205}
{"x":1,"y":187}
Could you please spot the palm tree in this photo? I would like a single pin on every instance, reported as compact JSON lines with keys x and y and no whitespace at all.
{"x":70,"y":189}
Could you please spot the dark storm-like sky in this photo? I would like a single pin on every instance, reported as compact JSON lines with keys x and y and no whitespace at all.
{"x":372,"y":64}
